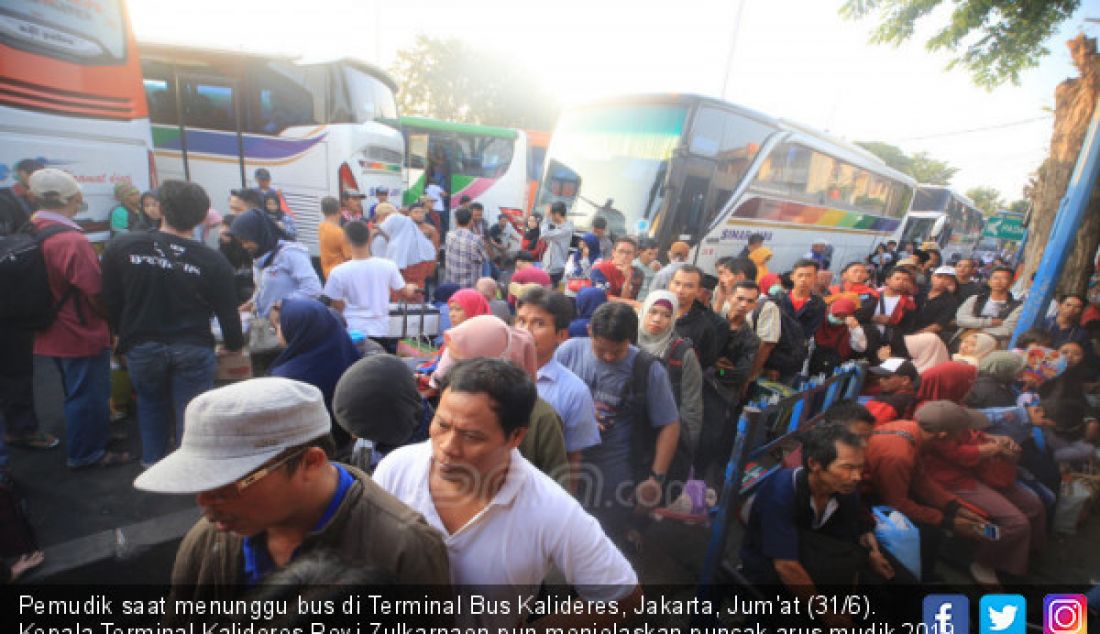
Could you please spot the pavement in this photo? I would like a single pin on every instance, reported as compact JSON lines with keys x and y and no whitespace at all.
{"x":96,"y":528}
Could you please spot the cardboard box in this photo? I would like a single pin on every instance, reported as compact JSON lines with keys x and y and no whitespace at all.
{"x":234,"y":367}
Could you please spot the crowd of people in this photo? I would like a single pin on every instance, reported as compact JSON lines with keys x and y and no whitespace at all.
{"x":576,"y":384}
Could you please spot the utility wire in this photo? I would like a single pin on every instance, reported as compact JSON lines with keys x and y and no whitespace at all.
{"x":982,"y":129}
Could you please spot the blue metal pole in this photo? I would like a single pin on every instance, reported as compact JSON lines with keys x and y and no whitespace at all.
{"x":1071,"y":213}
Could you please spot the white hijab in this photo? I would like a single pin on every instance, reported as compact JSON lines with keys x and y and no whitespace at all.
{"x":657,"y":345}
{"x":406,"y":244}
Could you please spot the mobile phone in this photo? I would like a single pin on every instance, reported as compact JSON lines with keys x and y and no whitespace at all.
{"x":991,"y":531}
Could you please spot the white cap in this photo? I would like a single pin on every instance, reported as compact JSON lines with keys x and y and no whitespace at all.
{"x":52,"y":182}
{"x":944,"y":270}
{"x":231,"y":431}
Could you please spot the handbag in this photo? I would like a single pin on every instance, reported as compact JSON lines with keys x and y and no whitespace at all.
{"x":261,"y":335}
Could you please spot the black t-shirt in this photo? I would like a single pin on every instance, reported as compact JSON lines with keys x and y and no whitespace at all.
{"x":152,"y":295}
{"x":939,"y":310}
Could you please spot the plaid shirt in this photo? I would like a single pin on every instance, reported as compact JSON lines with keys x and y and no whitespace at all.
{"x":465,"y":255}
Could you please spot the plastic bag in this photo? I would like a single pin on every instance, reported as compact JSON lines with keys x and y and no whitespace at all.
{"x":897,"y":534}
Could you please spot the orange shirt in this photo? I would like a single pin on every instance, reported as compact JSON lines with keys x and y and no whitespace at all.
{"x":333,"y":246}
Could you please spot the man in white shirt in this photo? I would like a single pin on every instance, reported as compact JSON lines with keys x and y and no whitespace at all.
{"x":504,"y":523}
{"x":360,"y":288}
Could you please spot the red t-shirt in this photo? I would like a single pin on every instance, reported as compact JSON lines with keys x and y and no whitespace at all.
{"x":71,"y":261}
{"x":798,"y":303}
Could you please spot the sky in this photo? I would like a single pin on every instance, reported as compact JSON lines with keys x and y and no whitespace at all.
{"x":796,"y":59}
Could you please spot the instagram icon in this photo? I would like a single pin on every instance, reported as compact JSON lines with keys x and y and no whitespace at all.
{"x":1065,"y":614}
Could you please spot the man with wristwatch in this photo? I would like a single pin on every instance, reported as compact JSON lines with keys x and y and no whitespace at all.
{"x":637,"y":416}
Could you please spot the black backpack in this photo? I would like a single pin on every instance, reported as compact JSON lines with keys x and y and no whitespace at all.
{"x":789,"y":353}
{"x":644,"y":435}
{"x":23,"y":276}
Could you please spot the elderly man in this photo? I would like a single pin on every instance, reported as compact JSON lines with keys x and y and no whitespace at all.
{"x":256,"y":456}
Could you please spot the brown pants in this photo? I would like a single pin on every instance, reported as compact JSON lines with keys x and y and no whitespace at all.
{"x":1022,"y":519}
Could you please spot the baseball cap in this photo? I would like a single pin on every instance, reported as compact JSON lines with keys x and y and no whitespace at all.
{"x":896,"y":366}
{"x":949,"y":416}
{"x":944,"y":270}
{"x":680,"y":248}
{"x":351,"y":193}
{"x":821,"y":241}
{"x":262,"y":174}
{"x":230,"y":431}
{"x":50,"y":181}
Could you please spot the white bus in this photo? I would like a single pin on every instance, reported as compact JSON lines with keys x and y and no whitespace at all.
{"x":70,"y":98}
{"x":487,"y":163}
{"x":942,"y":215}
{"x":316,"y":127}
{"x":701,"y":170}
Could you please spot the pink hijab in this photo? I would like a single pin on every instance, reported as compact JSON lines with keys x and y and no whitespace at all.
{"x":489,"y":337}
{"x":473,"y":303}
{"x":926,"y":350}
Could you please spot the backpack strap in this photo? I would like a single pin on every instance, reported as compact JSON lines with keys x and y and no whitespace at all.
{"x":636,"y":397}
{"x":40,"y":237}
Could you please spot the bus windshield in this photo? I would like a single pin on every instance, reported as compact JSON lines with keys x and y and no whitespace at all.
{"x":89,"y":32}
{"x":931,"y":199}
{"x":371,"y":98}
{"x":612,"y":160}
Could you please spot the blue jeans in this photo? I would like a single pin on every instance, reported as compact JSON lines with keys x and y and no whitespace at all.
{"x":87,"y":383}
{"x":166,"y":376}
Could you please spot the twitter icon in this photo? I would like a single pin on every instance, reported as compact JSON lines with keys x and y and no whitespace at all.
{"x":1003,"y":614}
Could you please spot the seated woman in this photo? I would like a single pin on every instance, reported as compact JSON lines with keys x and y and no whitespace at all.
{"x":461,"y":305}
{"x":927,"y":350}
{"x":998,"y":372}
{"x":578,"y":267}
{"x":657,"y":336}
{"x":318,"y":349}
{"x":974,"y":347}
{"x":588,"y":300}
{"x":486,"y":336}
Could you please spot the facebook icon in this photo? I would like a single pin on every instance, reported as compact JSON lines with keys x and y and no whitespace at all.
{"x":947,"y":614}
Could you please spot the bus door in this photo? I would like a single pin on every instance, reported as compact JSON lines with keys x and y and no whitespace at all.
{"x":211,"y":115}
{"x":416,"y":163}
{"x":690,"y":218}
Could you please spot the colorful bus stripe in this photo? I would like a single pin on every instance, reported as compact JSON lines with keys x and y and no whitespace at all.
{"x":768,"y":209}
{"x":261,"y":148}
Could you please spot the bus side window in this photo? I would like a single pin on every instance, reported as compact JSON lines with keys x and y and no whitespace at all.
{"x":162,"y":101}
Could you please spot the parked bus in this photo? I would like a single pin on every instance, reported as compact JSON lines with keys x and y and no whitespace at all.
{"x":317,"y":127}
{"x":944,"y":216}
{"x":491,"y":165}
{"x":70,"y":97}
{"x":701,"y":170}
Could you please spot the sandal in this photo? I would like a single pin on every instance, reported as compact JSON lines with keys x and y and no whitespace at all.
{"x":109,"y":459}
{"x":35,"y":440}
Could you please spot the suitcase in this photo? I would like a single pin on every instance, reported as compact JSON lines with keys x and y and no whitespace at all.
{"x":413,"y":320}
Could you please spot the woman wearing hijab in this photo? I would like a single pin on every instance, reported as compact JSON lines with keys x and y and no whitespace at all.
{"x":281,"y":269}
{"x":839,"y":338}
{"x":657,"y":336}
{"x":465,"y":304}
{"x":318,"y":349}
{"x":974,"y":347}
{"x":485,"y":336}
{"x":997,"y":372}
{"x":927,"y":351}
{"x":588,"y":300}
{"x":150,"y":212}
{"x":406,"y":244}
{"x":273,"y":205}
{"x":127,"y":216}
{"x":533,"y":233}
{"x":377,"y":402}
{"x":962,"y":464}
{"x":578,"y":268}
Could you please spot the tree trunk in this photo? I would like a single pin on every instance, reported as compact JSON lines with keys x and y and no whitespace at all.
{"x":1075,"y":100}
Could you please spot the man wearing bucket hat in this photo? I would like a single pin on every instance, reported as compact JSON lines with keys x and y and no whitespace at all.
{"x":255,"y":455}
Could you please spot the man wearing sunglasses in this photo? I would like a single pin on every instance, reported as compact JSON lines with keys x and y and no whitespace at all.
{"x":255,"y":454}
